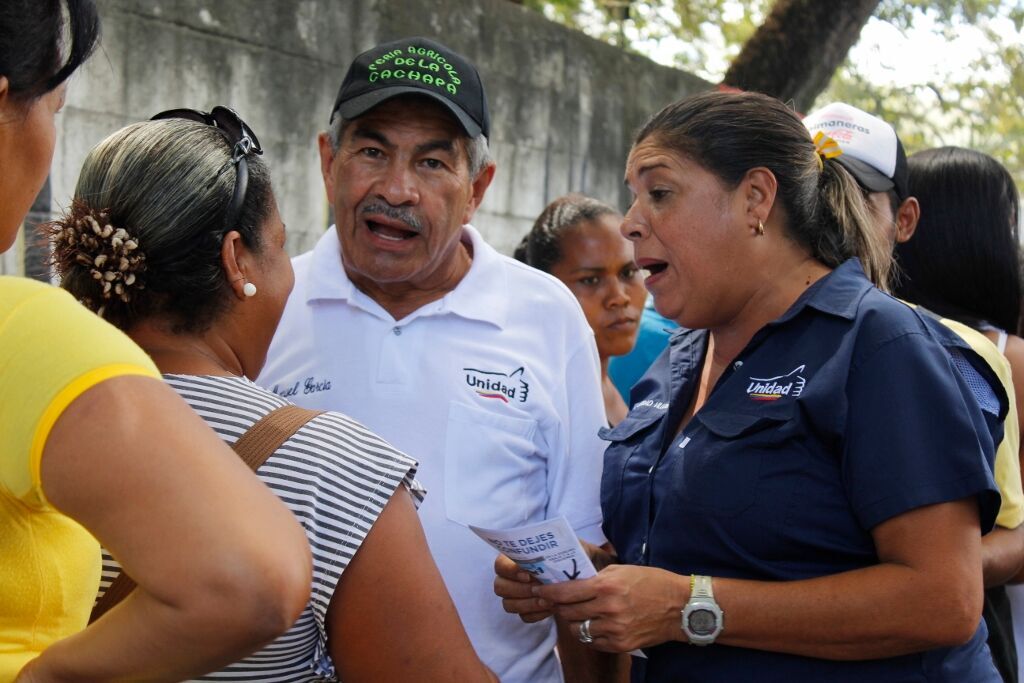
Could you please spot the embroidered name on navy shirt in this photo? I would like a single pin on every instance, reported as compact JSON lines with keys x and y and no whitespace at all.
{"x":648,"y":403}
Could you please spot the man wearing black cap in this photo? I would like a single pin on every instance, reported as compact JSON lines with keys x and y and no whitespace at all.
{"x":404,"y":318}
{"x":874,"y":156}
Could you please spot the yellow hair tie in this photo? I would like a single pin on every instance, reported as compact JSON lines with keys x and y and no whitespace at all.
{"x":826,"y":148}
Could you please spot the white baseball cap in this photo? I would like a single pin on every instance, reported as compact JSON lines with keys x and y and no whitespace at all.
{"x":872,"y":152}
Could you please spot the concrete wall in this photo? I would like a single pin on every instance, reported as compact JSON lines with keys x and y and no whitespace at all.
{"x":563,"y":106}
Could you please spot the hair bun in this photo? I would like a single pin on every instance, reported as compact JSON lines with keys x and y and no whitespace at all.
{"x":84,"y":240}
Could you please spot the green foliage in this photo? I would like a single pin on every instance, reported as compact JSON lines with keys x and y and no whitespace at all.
{"x":902,"y":13}
{"x":705,"y":32}
{"x":563,"y":11}
{"x":981,"y":106}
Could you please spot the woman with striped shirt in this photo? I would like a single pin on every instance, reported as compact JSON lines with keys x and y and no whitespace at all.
{"x":174,"y":236}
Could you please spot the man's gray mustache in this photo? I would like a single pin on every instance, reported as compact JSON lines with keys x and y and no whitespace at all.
{"x":394,"y":213}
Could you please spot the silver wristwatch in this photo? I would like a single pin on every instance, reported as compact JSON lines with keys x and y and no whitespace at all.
{"x":702,"y":617}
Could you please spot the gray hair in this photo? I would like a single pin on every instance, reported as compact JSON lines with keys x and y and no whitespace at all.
{"x":168,"y":185}
{"x":478,"y":153}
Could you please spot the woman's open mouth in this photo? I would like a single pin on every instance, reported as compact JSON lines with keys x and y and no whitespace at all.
{"x":653,"y":267}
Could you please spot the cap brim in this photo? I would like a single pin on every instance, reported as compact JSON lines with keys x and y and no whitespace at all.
{"x":869,"y":177}
{"x":360,"y":104}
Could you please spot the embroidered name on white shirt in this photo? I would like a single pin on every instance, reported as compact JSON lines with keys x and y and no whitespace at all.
{"x":310,"y":385}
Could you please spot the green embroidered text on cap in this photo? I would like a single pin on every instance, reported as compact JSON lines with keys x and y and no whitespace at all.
{"x":416,"y":64}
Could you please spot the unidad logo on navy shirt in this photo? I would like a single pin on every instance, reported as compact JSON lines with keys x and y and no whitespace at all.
{"x":774,"y":388}
{"x":500,"y":386}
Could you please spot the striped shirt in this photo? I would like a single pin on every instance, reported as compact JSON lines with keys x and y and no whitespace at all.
{"x":335,"y":476}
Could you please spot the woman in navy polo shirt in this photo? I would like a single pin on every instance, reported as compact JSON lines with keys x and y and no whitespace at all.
{"x":802,"y":490}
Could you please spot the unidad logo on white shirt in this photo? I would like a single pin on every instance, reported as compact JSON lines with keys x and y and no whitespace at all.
{"x":774,"y":388}
{"x":501,"y":386}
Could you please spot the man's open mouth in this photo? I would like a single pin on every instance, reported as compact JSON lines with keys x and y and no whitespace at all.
{"x":390,"y":231}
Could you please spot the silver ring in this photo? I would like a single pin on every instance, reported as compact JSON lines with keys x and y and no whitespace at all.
{"x":585,"y":636}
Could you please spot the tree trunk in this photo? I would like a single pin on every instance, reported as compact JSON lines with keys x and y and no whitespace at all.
{"x":801,"y":43}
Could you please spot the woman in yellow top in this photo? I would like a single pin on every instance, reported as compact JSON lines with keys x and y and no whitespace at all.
{"x":92,"y":444}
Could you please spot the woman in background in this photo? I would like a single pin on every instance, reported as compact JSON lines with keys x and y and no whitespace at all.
{"x":577,"y":240}
{"x":94,"y":446}
{"x":963,"y":264}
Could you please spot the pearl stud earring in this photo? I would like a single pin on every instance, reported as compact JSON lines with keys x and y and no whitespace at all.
{"x":249,"y":289}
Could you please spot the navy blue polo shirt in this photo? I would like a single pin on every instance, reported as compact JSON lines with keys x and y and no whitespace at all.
{"x":839,"y":415}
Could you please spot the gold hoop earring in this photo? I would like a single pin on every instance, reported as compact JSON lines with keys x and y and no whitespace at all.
{"x":760,"y":228}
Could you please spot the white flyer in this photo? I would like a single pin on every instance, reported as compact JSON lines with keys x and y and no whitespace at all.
{"x":549,"y":550}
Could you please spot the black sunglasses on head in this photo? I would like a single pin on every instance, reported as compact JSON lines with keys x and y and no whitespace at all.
{"x":240,"y":137}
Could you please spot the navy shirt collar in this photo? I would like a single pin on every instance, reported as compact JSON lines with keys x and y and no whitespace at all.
{"x":838,"y":293}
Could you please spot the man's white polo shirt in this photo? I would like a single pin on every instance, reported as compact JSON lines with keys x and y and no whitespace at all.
{"x":494,"y":389}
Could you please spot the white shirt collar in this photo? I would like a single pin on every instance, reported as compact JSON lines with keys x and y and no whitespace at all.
{"x":481,"y":295}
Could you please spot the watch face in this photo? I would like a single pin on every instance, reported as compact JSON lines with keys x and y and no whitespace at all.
{"x":702,"y":622}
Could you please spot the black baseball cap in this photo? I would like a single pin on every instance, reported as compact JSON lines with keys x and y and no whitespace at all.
{"x":415,"y":66}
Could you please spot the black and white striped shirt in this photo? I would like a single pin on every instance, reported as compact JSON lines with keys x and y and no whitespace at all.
{"x":335,"y":476}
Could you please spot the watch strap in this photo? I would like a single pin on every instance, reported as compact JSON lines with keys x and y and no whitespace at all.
{"x":700,"y":587}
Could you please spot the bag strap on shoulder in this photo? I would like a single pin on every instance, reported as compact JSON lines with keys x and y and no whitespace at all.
{"x":254,"y":447}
